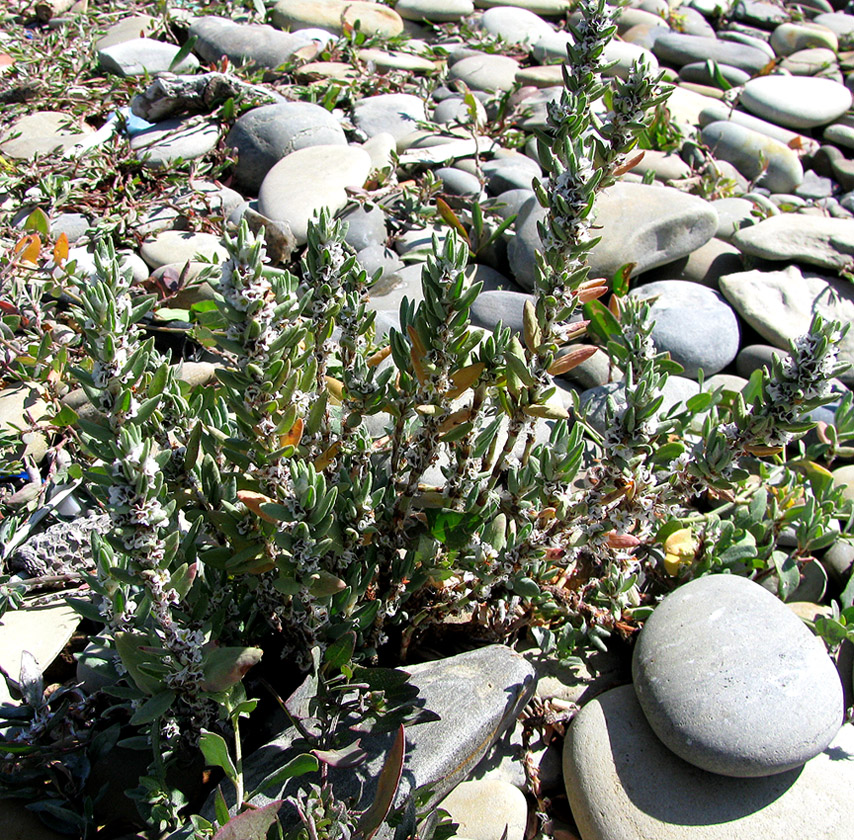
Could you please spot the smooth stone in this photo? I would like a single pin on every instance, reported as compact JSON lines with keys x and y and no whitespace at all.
{"x":127,"y":29}
{"x":545,"y":8}
{"x":704,"y":265}
{"x":336,"y":71}
{"x":243,"y":43}
{"x":817,"y":240}
{"x":17,"y":402}
{"x":365,"y":226}
{"x":144,"y":55}
{"x":334,"y":15}
{"x":397,"y":114}
{"x":715,"y":111}
{"x":509,"y":203}
{"x":455,"y":109}
{"x":487,"y":810}
{"x":594,"y":401}
{"x":375,"y":258}
{"x":435,"y":11}
{"x":171,"y":140}
{"x":733,"y":215}
{"x":308,"y":179}
{"x":647,"y":225}
{"x":622,"y":56}
{"x":678,"y":49}
{"x":43,"y":631}
{"x":624,"y":784}
{"x":780,"y":305}
{"x":178,"y":246}
{"x":816,"y":187}
{"x":755,"y":155}
{"x":769,"y":708}
{"x":788,"y":38}
{"x":809,"y":62}
{"x":839,"y":22}
{"x":844,"y":477}
{"x":629,"y":16}
{"x":748,"y":36}
{"x":73,"y":225}
{"x":408,"y":284}
{"x":840,"y":135}
{"x":459,"y":183}
{"x":756,"y":356}
{"x":513,"y":25}
{"x":477,"y":696}
{"x":693,"y":323}
{"x":796,"y":101}
{"x":41,"y":133}
{"x":513,"y":172}
{"x":263,"y":136}
{"x":760,"y":13}
{"x":698,"y":72}
{"x":838,"y":560}
{"x":417,"y":242}
{"x":486,"y":72}
{"x":385,"y":60}
{"x":490,"y":307}
{"x":382,"y":149}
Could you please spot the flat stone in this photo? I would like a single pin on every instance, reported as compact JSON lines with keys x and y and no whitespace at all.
{"x":796,"y":101}
{"x":490,"y":72}
{"x":309,"y":179}
{"x":666,"y":166}
{"x":647,"y":225}
{"x":510,"y":172}
{"x":435,"y":11}
{"x":458,"y":182}
{"x":477,"y":696}
{"x":43,"y":631}
{"x":263,"y":136}
{"x":178,"y":246}
{"x":397,"y":114}
{"x":724,"y":703}
{"x":184,"y":138}
{"x":698,"y":72}
{"x":809,"y":62}
{"x":839,"y":22}
{"x":374,"y":18}
{"x":760,"y":13}
{"x":385,"y":60}
{"x":780,"y":305}
{"x":817,"y":240}
{"x":243,"y":43}
{"x":546,"y":8}
{"x":365,"y":226}
{"x":41,"y":133}
{"x":486,"y":809}
{"x":144,"y":55}
{"x":755,"y":155}
{"x":693,"y":323}
{"x":16,"y":403}
{"x":840,"y":135}
{"x":704,"y":265}
{"x":624,"y":784}
{"x":337,"y":71}
{"x":127,"y":29}
{"x":514,"y":25}
{"x":677,"y":49}
{"x":715,"y":111}
{"x":788,"y":38}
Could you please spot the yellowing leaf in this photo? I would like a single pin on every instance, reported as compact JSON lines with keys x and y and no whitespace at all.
{"x":464,"y":378}
{"x":253,"y":501}
{"x":679,"y":549}
{"x":294,"y":436}
{"x":60,"y":249}
{"x":335,"y":388}
{"x":29,"y":247}
{"x":530,"y":327}
{"x":379,"y":356}
{"x":325,"y":458}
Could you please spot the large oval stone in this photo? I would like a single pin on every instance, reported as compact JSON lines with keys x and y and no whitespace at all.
{"x":733,"y":682}
{"x":796,"y":101}
{"x":308,"y":179}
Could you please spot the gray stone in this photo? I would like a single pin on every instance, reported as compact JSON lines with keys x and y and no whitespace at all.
{"x":514,"y":26}
{"x":73,"y":225}
{"x":780,"y":305}
{"x":733,"y":215}
{"x":335,"y":15}
{"x":171,"y":140}
{"x":713,"y":111}
{"x":397,"y":114}
{"x":839,"y":134}
{"x":796,"y":101}
{"x":308,"y":179}
{"x":178,"y":246}
{"x":435,"y":11}
{"x":817,"y":240}
{"x":457,"y":182}
{"x":491,"y":279}
{"x":678,"y":49}
{"x":17,"y":404}
{"x":816,"y":186}
{"x":761,"y":13}
{"x":242,"y":43}
{"x":486,"y":72}
{"x":263,"y":136}
{"x":693,"y":323}
{"x":144,"y":55}
{"x":379,"y":258}
{"x":624,"y":784}
{"x":417,"y":242}
{"x":509,"y":203}
{"x":755,"y":155}
{"x":454,"y":109}
{"x":788,"y":38}
{"x":809,"y":62}
{"x":477,"y":696}
{"x":647,"y":225}
{"x":41,"y":133}
{"x":724,"y":703}
{"x":839,"y":22}
{"x":510,"y":172}
{"x":127,"y":29}
{"x":506,"y":306}
{"x":838,"y":560}
{"x":366,"y":226}
{"x":698,"y":72}
{"x":544,"y":8}
{"x":486,"y":809}
{"x":704,"y":265}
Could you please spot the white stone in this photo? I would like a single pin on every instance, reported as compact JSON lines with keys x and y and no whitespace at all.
{"x":485,"y":808}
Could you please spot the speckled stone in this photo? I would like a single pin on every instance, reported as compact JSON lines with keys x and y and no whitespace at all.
{"x":721,"y":701}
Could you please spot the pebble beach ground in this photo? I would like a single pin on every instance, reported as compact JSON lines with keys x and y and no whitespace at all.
{"x":739,"y":221}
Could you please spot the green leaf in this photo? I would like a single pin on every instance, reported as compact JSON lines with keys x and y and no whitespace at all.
{"x":340,"y":652}
{"x":714,"y":71}
{"x":220,"y":808}
{"x":299,"y":766}
{"x":38,"y":222}
{"x":185,"y":50}
{"x":602,"y":323}
{"x":153,"y":708}
{"x":129,"y":647}
{"x":622,"y":278}
{"x":451,"y":527}
{"x":450,"y":217}
{"x":215,"y":751}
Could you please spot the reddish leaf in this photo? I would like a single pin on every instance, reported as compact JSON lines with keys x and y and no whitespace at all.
{"x":451,"y":218}
{"x":250,"y":825}
{"x":387,"y":785}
